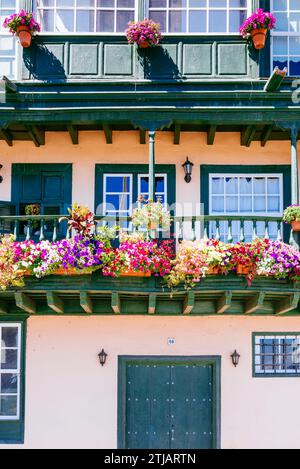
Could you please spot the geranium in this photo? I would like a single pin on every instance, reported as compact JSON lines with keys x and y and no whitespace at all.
{"x":279,"y":261}
{"x":258,"y":20}
{"x":151,"y":215}
{"x":143,"y":33}
{"x":11,"y":275}
{"x":23,"y":18}
{"x":249,"y":255}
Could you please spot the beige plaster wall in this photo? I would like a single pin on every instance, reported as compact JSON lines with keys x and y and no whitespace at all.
{"x":72,"y":402}
{"x":126,"y":148}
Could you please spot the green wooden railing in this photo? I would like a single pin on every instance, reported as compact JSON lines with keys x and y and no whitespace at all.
{"x":224,"y":227}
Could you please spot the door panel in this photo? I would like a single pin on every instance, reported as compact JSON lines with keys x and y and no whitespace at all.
{"x":169,"y":403}
{"x":52,"y":185}
{"x":31,"y":187}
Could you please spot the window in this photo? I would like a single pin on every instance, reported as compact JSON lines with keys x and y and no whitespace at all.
{"x":64,"y":16}
{"x":10,"y":370}
{"x":246,"y":194}
{"x":160,"y":187}
{"x":199,"y":16}
{"x":8,"y":63}
{"x":276,"y":354}
{"x":286,"y":36}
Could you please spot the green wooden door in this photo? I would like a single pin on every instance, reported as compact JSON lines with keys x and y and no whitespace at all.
{"x":169,"y":403}
{"x":47,"y":185}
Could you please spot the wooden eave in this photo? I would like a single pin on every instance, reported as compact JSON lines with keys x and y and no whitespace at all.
{"x":94,"y":294}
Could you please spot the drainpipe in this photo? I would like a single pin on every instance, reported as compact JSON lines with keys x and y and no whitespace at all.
{"x":151,"y":164}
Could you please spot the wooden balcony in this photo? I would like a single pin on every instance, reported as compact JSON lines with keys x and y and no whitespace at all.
{"x":96,"y":294}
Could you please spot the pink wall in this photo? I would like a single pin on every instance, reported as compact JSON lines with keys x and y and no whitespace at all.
{"x":72,"y":402}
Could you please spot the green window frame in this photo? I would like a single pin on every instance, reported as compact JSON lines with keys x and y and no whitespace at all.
{"x":134,"y":170}
{"x":285,"y":170}
{"x":12,"y":429}
{"x":274,"y":357}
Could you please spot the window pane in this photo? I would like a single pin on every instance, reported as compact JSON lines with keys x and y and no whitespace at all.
{"x":159,"y":17}
{"x":217,"y":3}
{"x":9,"y":337}
{"x":8,"y":406}
{"x":231,"y":204}
{"x":123,"y":18}
{"x":45,"y":3}
{"x":157,"y":3}
{"x":217,"y":21}
{"x":259,"y":204}
{"x":118,"y":202}
{"x":273,"y":204}
{"x":85,"y":21}
{"x":295,"y":22}
{"x":105,"y":3}
{"x":197,"y":19}
{"x":105,"y":21}
{"x":246,"y":204}
{"x":218,"y":185}
{"x":177,"y":21}
{"x":236,"y":19}
{"x":64,"y":21}
{"x":125,"y":4}
{"x":245,"y":185}
{"x":9,"y":383}
{"x":231,"y":185}
{"x":295,"y":45}
{"x":9,"y":359}
{"x":280,"y":45}
{"x":218,"y":204}
{"x":280,"y":5}
{"x":282,"y":22}
{"x":177,"y":3}
{"x":118,"y":184}
{"x":46,"y":18}
{"x":295,"y":66}
{"x":273,"y":186}
{"x":259,"y":185}
{"x":85,"y":3}
{"x":198,"y":3}
{"x":65,"y":3}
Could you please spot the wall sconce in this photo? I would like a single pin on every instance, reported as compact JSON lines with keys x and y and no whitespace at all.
{"x":102,"y":357}
{"x":188,"y":168}
{"x":235,"y":357}
{"x":1,"y":178}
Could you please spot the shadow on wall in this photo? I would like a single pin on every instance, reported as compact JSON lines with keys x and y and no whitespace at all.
{"x":43,"y":64}
{"x":158,"y":63}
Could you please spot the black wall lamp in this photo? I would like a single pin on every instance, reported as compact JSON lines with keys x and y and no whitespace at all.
{"x":102,"y":357}
{"x":188,"y":168}
{"x":235,"y":357}
{"x":1,"y":178}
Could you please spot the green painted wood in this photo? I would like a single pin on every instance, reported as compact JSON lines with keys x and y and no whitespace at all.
{"x":142,"y":137}
{"x":266,"y":134}
{"x":211,"y":133}
{"x":24,"y":302}
{"x":93,"y":57}
{"x":6,"y":136}
{"x":55,"y":302}
{"x":152,"y":303}
{"x":151,"y":164}
{"x":177,"y":130}
{"x":108,"y":133}
{"x":3,"y":307}
{"x":73,"y":131}
{"x":115,"y":303}
{"x":224,"y":303}
{"x":169,"y":402}
{"x":12,"y":431}
{"x":288,"y":304}
{"x":189,"y":303}
{"x":255,"y":303}
{"x":86,"y":302}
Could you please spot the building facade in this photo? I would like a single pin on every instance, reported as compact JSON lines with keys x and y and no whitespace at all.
{"x":87,"y":118}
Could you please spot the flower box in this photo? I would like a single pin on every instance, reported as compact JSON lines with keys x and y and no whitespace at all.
{"x":134,"y":273}
{"x":214,"y":270}
{"x":71,"y":271}
{"x":242,"y":269}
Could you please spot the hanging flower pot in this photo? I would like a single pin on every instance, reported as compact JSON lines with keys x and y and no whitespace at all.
{"x":144,"y":44}
{"x":25,"y":35}
{"x":134,"y":273}
{"x":23,"y":25}
{"x":295,"y":225}
{"x":259,"y":37}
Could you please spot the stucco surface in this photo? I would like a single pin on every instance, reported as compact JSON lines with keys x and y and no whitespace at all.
{"x":71,"y":401}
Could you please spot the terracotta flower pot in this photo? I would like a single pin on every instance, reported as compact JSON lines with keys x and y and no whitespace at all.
{"x":134,"y":273}
{"x":213,"y":270}
{"x":242,"y":269}
{"x":144,"y":44}
{"x":259,"y":37}
{"x":70,"y":271}
{"x":25,"y":35}
{"x":295,"y":225}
